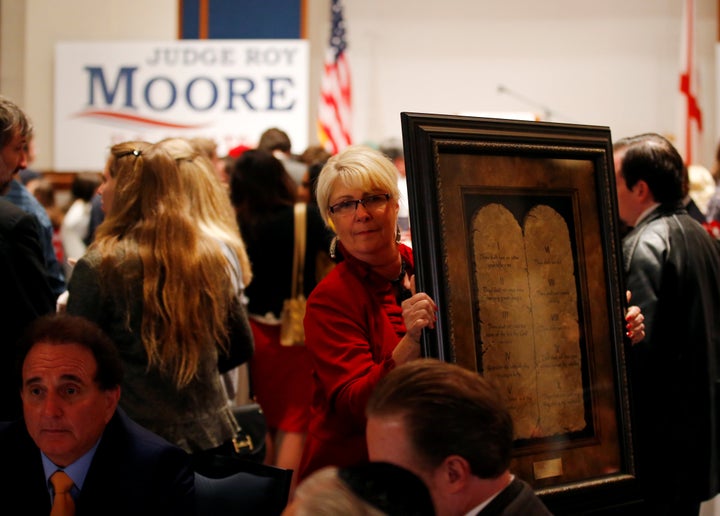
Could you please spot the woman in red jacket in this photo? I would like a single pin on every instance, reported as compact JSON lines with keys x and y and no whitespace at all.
{"x":362,"y":320}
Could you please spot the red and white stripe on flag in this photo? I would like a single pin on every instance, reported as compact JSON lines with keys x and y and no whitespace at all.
{"x":691,"y":118}
{"x":335,"y":107}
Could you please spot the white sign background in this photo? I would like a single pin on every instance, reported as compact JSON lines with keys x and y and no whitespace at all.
{"x":228,"y":90}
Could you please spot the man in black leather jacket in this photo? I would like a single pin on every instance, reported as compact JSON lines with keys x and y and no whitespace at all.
{"x":672,"y":267}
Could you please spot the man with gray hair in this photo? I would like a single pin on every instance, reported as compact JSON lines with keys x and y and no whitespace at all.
{"x":16,"y":131}
{"x":25,"y":293}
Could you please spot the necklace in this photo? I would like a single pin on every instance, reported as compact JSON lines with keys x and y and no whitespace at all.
{"x":402,"y":293}
{"x":401,"y":276}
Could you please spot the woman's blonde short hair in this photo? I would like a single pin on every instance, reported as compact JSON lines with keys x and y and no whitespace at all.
{"x":325,"y":494}
{"x":358,"y":166}
{"x":363,"y":489}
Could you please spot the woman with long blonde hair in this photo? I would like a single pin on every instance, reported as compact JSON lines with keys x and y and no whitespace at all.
{"x":165,"y":291}
{"x":209,"y":199}
{"x":215,"y":215}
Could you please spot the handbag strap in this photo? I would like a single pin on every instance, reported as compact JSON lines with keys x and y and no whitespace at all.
{"x":299,"y":252}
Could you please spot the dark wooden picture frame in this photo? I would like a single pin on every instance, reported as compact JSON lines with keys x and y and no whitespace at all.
{"x":515,"y":235}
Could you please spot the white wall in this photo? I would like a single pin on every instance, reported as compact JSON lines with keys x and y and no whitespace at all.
{"x":613,"y":63}
{"x":43,"y":22}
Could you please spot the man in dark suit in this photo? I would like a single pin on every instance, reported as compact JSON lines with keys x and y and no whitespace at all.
{"x":672,"y":267}
{"x":450,"y":427}
{"x":70,"y":386}
{"x":25,"y":294}
{"x":15,"y":139}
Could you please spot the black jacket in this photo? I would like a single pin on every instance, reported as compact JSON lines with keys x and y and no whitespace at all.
{"x":25,"y":294}
{"x":672,"y":268}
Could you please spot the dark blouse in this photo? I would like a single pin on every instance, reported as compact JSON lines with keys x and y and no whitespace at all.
{"x":269,"y":244}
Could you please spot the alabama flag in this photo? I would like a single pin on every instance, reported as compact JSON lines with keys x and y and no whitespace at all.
{"x":691,"y":115}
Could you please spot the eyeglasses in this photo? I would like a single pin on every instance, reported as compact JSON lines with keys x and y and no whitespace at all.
{"x":371,"y":203}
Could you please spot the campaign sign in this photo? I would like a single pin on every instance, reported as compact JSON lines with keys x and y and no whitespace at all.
{"x":228,"y":90}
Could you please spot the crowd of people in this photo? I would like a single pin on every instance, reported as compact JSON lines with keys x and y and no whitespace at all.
{"x":122,"y":353}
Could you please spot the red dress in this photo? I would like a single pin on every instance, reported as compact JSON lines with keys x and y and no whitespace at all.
{"x":281,"y":376}
{"x":281,"y":379}
{"x":352,"y":325}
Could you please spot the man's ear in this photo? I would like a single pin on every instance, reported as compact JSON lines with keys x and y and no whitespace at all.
{"x":642,"y":191}
{"x":456,"y":473}
{"x":112,"y":397}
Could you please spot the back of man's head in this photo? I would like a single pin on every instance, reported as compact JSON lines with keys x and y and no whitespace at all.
{"x":12,"y":119}
{"x":447,"y":410}
{"x":275,"y":139}
{"x":84,"y":185}
{"x":652,"y":158}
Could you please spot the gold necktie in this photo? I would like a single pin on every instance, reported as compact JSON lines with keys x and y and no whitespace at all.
{"x":63,"y":504}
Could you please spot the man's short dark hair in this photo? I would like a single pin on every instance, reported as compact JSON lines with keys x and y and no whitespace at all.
{"x":61,"y":328}
{"x":84,"y":185}
{"x":447,"y":410}
{"x":652,"y":158}
{"x":274,"y":139}
{"x":389,"y":488}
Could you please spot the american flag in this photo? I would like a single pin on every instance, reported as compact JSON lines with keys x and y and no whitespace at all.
{"x":334,"y":112}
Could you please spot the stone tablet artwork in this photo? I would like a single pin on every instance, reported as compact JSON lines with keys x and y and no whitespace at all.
{"x":520,"y":248}
{"x":530,"y":337}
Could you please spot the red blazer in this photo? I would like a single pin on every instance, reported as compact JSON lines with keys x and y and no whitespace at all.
{"x":352,"y":325}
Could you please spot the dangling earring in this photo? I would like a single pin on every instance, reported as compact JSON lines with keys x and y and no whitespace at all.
{"x":398,"y":234}
{"x":333,"y":247}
